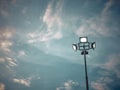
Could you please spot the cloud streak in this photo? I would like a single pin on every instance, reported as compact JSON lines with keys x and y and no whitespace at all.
{"x":106,"y":72}
{"x":5,"y":38}
{"x":99,"y":25}
{"x":68,"y":85}
{"x":25,"y":82}
{"x":107,"y":6}
{"x":113,"y":64}
{"x":52,"y":23}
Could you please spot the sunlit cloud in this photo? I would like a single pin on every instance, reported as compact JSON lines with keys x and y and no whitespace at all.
{"x":99,"y":86}
{"x":2,"y":86}
{"x":43,"y":37}
{"x":53,"y":23}
{"x":109,"y":68}
{"x":101,"y":83}
{"x":11,"y":62}
{"x":5,"y":38}
{"x":25,"y":82}
{"x":113,"y":64}
{"x":68,"y":85}
{"x":21,"y":53}
{"x":5,"y":45}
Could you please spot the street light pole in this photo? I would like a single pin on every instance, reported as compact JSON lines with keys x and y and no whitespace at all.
{"x":86,"y":76}
{"x":83,"y":46}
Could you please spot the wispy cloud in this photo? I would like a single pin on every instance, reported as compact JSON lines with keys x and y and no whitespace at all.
{"x":106,"y":72}
{"x":113,"y":64}
{"x":2,"y":86}
{"x":50,"y":28}
{"x":107,"y":6}
{"x":68,"y":85}
{"x":21,"y":53}
{"x":53,"y":22}
{"x":52,"y":25}
{"x":99,"y":25}
{"x":11,"y":62}
{"x":101,"y":83}
{"x":51,"y":17}
{"x":5,"y":38}
{"x":99,"y":86}
{"x":25,"y":82}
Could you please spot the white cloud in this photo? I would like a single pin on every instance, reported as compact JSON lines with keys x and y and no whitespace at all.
{"x":53,"y":23}
{"x":99,"y":86}
{"x":11,"y":62}
{"x":113,"y":64}
{"x":101,"y":83}
{"x":52,"y":17}
{"x":25,"y":82}
{"x":5,"y":38}
{"x":99,"y":25}
{"x":21,"y":53}
{"x":96,"y":26}
{"x":44,"y":36}
{"x":68,"y":85}
{"x":2,"y":86}
{"x":109,"y":68}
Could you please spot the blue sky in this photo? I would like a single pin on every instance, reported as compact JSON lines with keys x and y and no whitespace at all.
{"x":36,"y":38}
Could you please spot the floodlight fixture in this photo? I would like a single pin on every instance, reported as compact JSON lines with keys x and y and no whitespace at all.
{"x":74,"y":46}
{"x":93,"y":45}
{"x":83,"y":39}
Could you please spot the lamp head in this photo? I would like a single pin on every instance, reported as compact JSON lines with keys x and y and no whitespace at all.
{"x":74,"y":46}
{"x":83,"y":39}
{"x":93,"y":45}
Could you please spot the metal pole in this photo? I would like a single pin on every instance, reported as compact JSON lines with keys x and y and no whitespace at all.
{"x":86,"y":76}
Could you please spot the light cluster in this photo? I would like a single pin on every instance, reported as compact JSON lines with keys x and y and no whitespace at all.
{"x":83,"y":45}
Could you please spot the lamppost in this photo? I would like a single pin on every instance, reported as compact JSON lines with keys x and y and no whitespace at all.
{"x":84,"y":46}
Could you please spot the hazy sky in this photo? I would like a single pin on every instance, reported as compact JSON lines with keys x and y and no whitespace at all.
{"x":36,"y":38}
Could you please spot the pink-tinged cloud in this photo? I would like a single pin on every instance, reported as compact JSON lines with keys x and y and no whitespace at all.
{"x":25,"y":82}
{"x":98,"y":25}
{"x":5,"y":38}
{"x":2,"y":86}
{"x":99,"y":86}
{"x":68,"y":85}
{"x":113,"y":64}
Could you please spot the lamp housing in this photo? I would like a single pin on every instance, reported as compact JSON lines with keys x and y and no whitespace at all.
{"x":93,"y":45}
{"x":74,"y":46}
{"x":83,"y":39}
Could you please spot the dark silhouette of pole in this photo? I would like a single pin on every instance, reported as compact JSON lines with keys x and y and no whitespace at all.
{"x":83,"y":46}
{"x":86,"y":76}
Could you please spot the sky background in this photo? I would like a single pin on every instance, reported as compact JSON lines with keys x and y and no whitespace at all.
{"x":36,"y":38}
